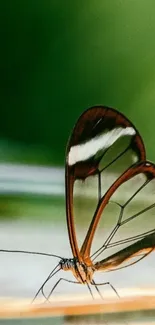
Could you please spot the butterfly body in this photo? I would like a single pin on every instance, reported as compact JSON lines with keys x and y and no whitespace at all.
{"x":82,"y":272}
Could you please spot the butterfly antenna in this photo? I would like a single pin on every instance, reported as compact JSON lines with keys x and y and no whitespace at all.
{"x":28,"y":252}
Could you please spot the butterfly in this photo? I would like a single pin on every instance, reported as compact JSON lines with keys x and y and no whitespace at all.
{"x":106,"y":166}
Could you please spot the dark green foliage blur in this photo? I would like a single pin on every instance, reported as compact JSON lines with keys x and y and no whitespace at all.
{"x":60,"y":57}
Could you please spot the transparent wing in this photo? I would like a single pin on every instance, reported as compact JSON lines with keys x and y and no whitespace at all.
{"x":132,"y":233}
{"x":103,"y":144}
{"x":129,"y":255}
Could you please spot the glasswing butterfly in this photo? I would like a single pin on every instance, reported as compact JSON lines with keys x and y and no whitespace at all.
{"x":106,"y":169}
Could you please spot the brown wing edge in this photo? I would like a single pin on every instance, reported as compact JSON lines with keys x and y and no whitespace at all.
{"x":83,"y":171}
{"x":144,"y":167}
{"x":144,"y":246}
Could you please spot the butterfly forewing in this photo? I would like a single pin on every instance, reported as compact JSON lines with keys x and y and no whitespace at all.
{"x":102,"y":146}
{"x":85,"y":200}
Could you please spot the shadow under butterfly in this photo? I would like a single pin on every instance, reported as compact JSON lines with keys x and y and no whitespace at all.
{"x":106,"y":174}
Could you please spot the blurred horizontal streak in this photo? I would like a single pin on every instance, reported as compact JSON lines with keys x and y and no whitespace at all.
{"x":83,"y":305}
{"x":31,"y":179}
{"x":38,"y":180}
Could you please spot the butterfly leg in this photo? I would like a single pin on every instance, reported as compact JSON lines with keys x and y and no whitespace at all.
{"x":90,"y":290}
{"x":97,"y":289}
{"x":41,"y":289}
{"x":102,"y":284}
{"x":56,"y":284}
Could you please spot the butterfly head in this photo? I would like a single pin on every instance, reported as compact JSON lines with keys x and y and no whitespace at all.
{"x":67,"y":264}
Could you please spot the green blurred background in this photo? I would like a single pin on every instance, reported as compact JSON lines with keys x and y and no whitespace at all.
{"x":60,"y":57}
{"x":57,"y":58}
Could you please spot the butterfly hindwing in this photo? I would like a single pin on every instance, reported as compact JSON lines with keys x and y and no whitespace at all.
{"x":132,"y":235}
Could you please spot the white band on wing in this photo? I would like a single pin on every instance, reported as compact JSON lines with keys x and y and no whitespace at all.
{"x":86,"y":150}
